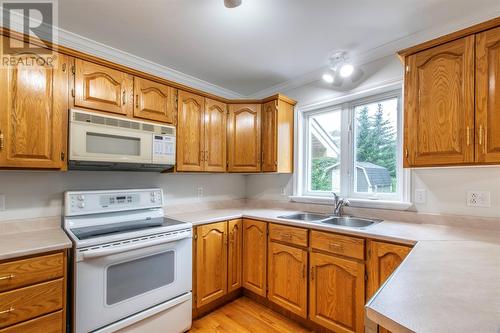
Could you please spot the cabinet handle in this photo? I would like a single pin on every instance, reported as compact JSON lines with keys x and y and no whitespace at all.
{"x":124,"y":97}
{"x":207,"y":155}
{"x":7,"y":277}
{"x":468,"y":136}
{"x":304,"y":271}
{"x":7,"y":311}
{"x":485,"y":149}
{"x":481,"y":135}
{"x":286,"y":236}
{"x":335,"y":246}
{"x":137,"y":101}
{"x":312,"y":273}
{"x":406,"y":152}
{"x":2,"y":139}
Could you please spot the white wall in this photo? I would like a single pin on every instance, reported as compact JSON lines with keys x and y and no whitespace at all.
{"x":446,"y":188}
{"x":39,"y":193}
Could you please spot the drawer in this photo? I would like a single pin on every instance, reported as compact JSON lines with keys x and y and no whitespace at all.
{"x":344,"y":245}
{"x":287,"y":234}
{"x":51,"y":323}
{"x":26,"y":303}
{"x":21,"y":273}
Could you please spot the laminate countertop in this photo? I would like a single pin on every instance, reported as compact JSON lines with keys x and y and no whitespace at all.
{"x":450,"y":281}
{"x":26,"y":242}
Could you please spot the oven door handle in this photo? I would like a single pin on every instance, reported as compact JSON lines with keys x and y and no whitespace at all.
{"x":89,"y":254}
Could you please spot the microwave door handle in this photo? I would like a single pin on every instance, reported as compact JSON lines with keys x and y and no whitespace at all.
{"x":90,"y":254}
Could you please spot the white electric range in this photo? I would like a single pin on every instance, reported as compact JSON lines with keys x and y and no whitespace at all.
{"x":129,"y":261}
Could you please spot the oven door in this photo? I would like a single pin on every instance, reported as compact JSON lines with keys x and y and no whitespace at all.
{"x":109,"y":288}
{"x":91,"y":142}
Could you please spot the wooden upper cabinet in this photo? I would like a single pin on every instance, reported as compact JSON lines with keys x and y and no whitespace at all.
{"x":439,"y":105}
{"x":488,"y":96}
{"x":211,"y":262}
{"x":244,"y":137}
{"x":336,"y":293}
{"x":234,"y":256}
{"x":33,"y":114}
{"x":190,"y":132}
{"x":254,"y":254}
{"x":153,"y":100}
{"x":215,"y":136}
{"x":383,"y":259}
{"x":287,"y":277}
{"x":277,"y":136}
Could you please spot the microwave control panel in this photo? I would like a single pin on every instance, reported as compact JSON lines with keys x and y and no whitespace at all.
{"x":163,"y":149}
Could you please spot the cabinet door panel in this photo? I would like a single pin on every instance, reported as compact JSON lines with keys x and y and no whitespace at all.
{"x":336,"y":293}
{"x":33,"y":114}
{"x":269,"y":137}
{"x":102,"y":88}
{"x":488,"y":96}
{"x":439,"y":105}
{"x":244,"y":138}
{"x":287,"y":277}
{"x":211,"y":262}
{"x":215,"y":136}
{"x":153,"y":101}
{"x":234,"y":254}
{"x":190,"y":132}
{"x":254,"y":254}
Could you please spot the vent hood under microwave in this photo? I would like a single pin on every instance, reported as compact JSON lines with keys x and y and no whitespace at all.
{"x":102,"y":142}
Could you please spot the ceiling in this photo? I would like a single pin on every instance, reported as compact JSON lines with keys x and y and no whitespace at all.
{"x":263,"y":43}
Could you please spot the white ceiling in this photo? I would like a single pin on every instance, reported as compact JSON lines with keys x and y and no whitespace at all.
{"x":263,"y":43}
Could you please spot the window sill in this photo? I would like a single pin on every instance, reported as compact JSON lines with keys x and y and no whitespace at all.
{"x":353,"y":202}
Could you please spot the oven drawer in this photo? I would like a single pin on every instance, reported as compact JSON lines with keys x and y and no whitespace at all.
{"x":20,"y":273}
{"x":51,"y":323}
{"x":30,"y":302}
{"x":344,"y":245}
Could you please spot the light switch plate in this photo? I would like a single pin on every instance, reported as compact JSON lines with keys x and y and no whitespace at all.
{"x":199,"y":192}
{"x":479,"y":198}
{"x":420,"y":196}
{"x":2,"y":202}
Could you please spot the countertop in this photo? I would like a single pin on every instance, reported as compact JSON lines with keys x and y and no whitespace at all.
{"x":29,"y":242}
{"x":450,"y":281}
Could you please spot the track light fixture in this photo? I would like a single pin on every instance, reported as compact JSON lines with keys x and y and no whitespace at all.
{"x":339,"y":64}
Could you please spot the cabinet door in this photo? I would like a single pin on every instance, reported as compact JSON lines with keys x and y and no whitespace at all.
{"x":488,"y":96}
{"x":102,"y":88}
{"x":215,"y":136}
{"x":234,"y":257}
{"x":244,"y":138}
{"x":383,"y":259}
{"x":190,"y":132}
{"x":439,"y":105}
{"x":287,"y":277}
{"x":254,"y":252}
{"x":269,"y":137}
{"x":153,"y":100}
{"x":336,"y":293}
{"x":33,"y":114}
{"x":211,"y":262}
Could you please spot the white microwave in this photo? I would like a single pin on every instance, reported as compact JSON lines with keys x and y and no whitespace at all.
{"x":102,"y":142}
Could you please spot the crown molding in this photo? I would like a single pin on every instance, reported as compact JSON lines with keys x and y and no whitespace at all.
{"x":387,"y":49}
{"x":86,"y":45}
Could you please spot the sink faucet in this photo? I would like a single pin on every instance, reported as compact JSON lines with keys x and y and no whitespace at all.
{"x":339,"y":204}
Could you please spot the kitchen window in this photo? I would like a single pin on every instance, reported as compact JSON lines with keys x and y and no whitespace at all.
{"x":353,"y":149}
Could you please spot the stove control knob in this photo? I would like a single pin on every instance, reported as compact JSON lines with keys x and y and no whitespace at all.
{"x":80,"y":197}
{"x":153,"y":199}
{"x":152,"y":194}
{"x":81,"y":205}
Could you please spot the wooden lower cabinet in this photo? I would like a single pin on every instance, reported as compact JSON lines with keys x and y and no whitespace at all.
{"x":234,"y":254}
{"x":287,"y":277}
{"x":254,"y":256}
{"x":336,"y":293}
{"x":211,"y":262}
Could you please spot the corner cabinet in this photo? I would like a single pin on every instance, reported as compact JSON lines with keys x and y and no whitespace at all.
{"x":234,"y":254}
{"x":243,"y":138}
{"x":254,"y":256}
{"x":154,"y":101}
{"x":33,"y":114}
{"x":102,"y":88}
{"x":451,"y":99}
{"x":215,"y":136}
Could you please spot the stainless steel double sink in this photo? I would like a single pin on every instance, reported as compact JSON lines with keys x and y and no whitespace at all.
{"x":344,"y":221}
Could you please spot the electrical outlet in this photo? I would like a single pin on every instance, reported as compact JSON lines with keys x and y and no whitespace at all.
{"x":420,"y":196}
{"x":479,"y":198}
{"x":199,"y":192}
{"x":2,"y":202}
{"x":283,"y":191}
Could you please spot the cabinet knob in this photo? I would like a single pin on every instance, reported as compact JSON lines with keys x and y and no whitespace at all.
{"x":2,"y":143}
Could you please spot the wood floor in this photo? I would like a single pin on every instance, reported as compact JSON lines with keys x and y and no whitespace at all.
{"x":245,"y":316}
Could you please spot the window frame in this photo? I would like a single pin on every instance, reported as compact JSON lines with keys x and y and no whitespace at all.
{"x":347,"y":156}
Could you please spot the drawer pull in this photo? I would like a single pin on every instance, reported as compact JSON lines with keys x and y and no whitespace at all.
{"x":7,"y":311}
{"x":286,"y":236}
{"x":335,"y":246}
{"x":7,"y":277}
